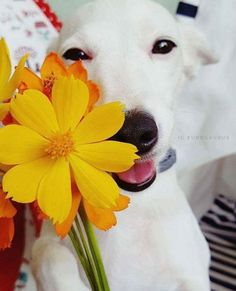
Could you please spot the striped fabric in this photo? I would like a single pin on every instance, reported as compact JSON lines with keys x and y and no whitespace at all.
{"x":219,"y":227}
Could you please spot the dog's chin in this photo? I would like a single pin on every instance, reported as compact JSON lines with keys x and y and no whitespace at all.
{"x":140,"y":176}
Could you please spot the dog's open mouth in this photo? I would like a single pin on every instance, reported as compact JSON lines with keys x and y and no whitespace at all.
{"x":139,"y":177}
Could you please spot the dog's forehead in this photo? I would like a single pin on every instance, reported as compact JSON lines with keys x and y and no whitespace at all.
{"x":117,"y":17}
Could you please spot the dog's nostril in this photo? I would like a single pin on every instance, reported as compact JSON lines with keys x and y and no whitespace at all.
{"x":147,"y":141}
{"x":139,"y":129}
{"x":146,"y":137}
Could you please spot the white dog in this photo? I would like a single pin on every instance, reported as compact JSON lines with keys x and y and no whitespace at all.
{"x":137,"y":53}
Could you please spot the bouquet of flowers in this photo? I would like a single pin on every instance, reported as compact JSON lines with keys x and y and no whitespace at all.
{"x":55,"y":153}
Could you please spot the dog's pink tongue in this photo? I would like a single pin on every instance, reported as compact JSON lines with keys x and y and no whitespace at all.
{"x":139,"y":173}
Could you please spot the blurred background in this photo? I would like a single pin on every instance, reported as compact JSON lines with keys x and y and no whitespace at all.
{"x":64,"y":8}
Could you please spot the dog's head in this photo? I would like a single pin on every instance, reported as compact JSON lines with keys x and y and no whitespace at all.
{"x":139,"y":54}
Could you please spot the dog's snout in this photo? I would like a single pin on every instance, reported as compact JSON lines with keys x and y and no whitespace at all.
{"x":139,"y":129}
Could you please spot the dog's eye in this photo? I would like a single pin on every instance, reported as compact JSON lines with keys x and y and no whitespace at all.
{"x":163,"y":46}
{"x":75,"y":54}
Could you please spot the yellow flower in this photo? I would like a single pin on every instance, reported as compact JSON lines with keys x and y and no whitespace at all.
{"x":55,"y":144}
{"x":8,"y":85}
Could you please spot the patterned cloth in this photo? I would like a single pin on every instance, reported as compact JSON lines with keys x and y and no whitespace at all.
{"x":219,"y":227}
{"x":25,"y":280}
{"x":27,"y":29}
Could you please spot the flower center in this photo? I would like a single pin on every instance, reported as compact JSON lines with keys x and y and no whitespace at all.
{"x":48,"y":84}
{"x":60,"y":146}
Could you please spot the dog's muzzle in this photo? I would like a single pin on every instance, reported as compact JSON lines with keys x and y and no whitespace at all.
{"x":139,"y":129}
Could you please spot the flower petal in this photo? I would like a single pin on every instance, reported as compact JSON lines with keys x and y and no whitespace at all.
{"x":103,"y":219}
{"x":6,"y":233}
{"x":63,"y":228}
{"x":21,"y":182}
{"x":19,"y":144}
{"x":5,"y":64}
{"x":122,"y":203}
{"x":70,"y":100}
{"x":110,"y":156}
{"x":78,"y":71}
{"x":34,"y":110}
{"x":31,"y":80}
{"x":97,"y":125}
{"x":53,"y":66}
{"x":7,"y":210}
{"x":54,"y":192}
{"x":4,"y":109}
{"x":94,"y":94}
{"x":10,"y":87}
{"x":97,"y":187}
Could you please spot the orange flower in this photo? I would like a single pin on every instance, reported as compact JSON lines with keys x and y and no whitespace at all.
{"x":7,"y":212}
{"x":103,"y":219}
{"x":63,"y":228}
{"x":53,"y":68}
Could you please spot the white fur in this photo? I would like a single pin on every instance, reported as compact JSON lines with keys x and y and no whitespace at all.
{"x":157,"y":244}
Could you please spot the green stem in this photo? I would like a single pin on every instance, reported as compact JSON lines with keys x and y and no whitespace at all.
{"x":89,"y":256}
{"x":80,"y":253}
{"x":94,"y":248}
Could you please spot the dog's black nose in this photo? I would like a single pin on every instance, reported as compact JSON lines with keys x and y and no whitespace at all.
{"x":140,"y":129}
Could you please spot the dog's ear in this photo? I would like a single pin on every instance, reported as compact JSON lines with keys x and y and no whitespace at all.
{"x":196,"y":50}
